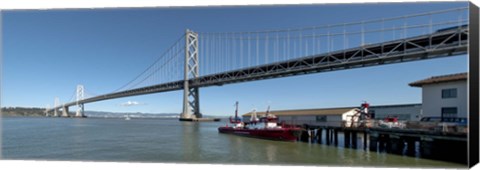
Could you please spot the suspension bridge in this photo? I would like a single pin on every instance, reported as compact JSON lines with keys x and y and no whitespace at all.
{"x":202,"y":59}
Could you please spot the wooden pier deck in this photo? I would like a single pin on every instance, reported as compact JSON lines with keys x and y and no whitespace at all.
{"x":438,"y":145}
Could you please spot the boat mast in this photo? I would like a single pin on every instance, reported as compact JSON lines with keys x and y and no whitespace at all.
{"x":236,"y":111}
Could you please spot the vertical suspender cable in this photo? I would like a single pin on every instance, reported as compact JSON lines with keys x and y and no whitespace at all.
{"x":207,"y":54}
{"x":394,"y":33}
{"x":306,"y":45}
{"x":248,"y":55}
{"x":404,"y":27}
{"x":277,"y":49}
{"x":383,"y":30}
{"x":266,"y":49}
{"x":294,"y":48}
{"x":314,"y":40}
{"x":257,"y":50}
{"x":301,"y":43}
{"x":284,"y":48}
{"x":234,"y":51}
{"x":328,"y":39}
{"x":288,"y":44}
{"x":319,"y":50}
{"x":229,"y":51}
{"x":241,"y":50}
{"x":363,"y":34}
{"x":344,"y":42}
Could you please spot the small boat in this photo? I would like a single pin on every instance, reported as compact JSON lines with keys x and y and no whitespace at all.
{"x":127,"y":117}
{"x":267,"y":127}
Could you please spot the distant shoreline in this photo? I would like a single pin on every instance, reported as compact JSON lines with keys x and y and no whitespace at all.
{"x":40,"y":112}
{"x":22,"y":112}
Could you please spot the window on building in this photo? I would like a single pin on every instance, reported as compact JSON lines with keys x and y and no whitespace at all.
{"x":449,"y":112}
{"x":449,"y":93}
{"x":372,"y":114}
{"x":321,"y":118}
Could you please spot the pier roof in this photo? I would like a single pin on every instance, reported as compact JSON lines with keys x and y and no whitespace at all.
{"x":440,"y":79}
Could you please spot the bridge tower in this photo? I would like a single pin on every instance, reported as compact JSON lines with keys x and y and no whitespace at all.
{"x":80,"y":96}
{"x":190,"y":95}
{"x":56,"y":104}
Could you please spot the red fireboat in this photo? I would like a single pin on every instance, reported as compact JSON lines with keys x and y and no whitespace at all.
{"x":267,"y":127}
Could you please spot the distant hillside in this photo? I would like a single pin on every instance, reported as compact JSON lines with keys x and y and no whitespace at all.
{"x":22,"y":111}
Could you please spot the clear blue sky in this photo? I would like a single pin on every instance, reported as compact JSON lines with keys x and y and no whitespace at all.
{"x":48,"y":52}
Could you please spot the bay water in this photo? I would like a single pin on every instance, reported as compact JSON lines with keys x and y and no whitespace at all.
{"x":172,"y":141}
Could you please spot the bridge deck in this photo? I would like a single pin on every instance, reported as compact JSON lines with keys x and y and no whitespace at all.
{"x":435,"y":45}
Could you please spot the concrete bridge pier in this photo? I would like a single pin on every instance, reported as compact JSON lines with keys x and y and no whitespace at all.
{"x":65,"y":111}
{"x":55,"y":108}
{"x":80,"y":111}
{"x":55,"y":112}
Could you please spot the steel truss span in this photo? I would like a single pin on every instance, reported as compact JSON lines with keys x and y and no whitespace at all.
{"x":438,"y":44}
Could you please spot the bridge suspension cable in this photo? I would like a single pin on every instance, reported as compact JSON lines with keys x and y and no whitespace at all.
{"x":166,"y":68}
{"x":72,"y":98}
{"x":87,"y":93}
{"x":221,"y":52}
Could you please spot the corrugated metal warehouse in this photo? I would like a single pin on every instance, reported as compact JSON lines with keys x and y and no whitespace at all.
{"x":401,"y":111}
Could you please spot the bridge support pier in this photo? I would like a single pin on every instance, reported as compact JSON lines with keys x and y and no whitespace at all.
{"x":55,"y":107}
{"x":191,"y":104}
{"x":64,"y":111}
{"x":80,"y":111}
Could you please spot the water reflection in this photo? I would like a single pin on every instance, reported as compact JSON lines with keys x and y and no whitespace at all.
{"x":173,"y":141}
{"x":271,"y":152}
{"x":191,"y":150}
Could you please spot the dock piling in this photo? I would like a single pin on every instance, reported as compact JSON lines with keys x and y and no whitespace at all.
{"x":346,"y":139}
{"x":373,"y":143}
{"x":364,"y":140}
{"x":335,"y":137}
{"x":328,"y":136}
{"x":319,"y":135}
{"x":354,"y":140}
